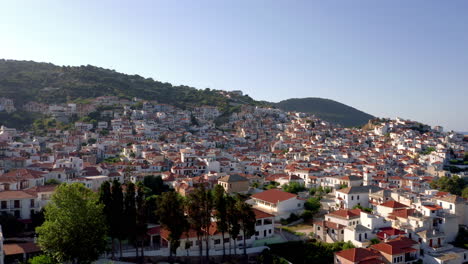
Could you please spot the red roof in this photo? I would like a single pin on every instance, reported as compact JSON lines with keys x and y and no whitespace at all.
{"x":260,"y":214}
{"x":20,"y":248}
{"x":394,"y":204}
{"x":396,"y":246}
{"x":274,"y":196}
{"x":389,"y":231}
{"x":358,"y":255}
{"x":347,"y":213}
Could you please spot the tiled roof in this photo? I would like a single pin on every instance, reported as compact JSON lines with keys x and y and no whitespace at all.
{"x":346,"y":213}
{"x":394,"y":204}
{"x":358,"y":255}
{"x":274,"y":196}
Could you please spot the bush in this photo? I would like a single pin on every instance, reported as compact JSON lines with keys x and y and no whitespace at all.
{"x":307,"y":215}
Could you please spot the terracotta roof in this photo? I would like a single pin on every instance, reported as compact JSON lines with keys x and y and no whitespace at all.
{"x":274,"y":196}
{"x":389,"y":231}
{"x":394,"y":204}
{"x":396,"y":246}
{"x":346,"y":213}
{"x":358,"y":255}
{"x":260,"y":214}
{"x":20,"y":248}
{"x":8,"y":195}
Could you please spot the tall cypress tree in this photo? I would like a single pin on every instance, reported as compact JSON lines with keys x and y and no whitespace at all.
{"x":172,"y":218}
{"x":117,"y":223}
{"x":246,"y":220}
{"x":105,"y":197}
{"x":130,"y":213}
{"x":141,"y":216}
{"x":221,"y":213}
{"x":233,"y":221}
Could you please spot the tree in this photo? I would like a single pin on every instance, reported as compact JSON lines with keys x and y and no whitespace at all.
{"x":141,"y":217}
{"x":465,"y":192}
{"x":294,"y":187}
{"x":130,"y":213}
{"x":52,"y":182}
{"x":453,"y":185}
{"x":200,"y":206}
{"x":246,"y":220}
{"x":233,"y":221}
{"x":221,"y":212}
{"x":313,"y":205}
{"x":105,"y":198}
{"x":155,"y":183}
{"x":42,"y":259}
{"x":74,"y":230}
{"x":117,"y":223}
{"x":172,"y":218}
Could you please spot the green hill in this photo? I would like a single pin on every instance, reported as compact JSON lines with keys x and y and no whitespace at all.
{"x":25,"y":81}
{"x":47,"y":83}
{"x":326,"y":109}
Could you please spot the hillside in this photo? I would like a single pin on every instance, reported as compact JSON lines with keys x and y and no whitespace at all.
{"x":326,"y":109}
{"x":25,"y":81}
{"x":47,"y":83}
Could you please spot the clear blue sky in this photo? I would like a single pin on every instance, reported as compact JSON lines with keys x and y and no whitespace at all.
{"x":388,"y":58}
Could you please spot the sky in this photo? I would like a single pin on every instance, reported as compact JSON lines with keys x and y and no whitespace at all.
{"x":392,"y":59}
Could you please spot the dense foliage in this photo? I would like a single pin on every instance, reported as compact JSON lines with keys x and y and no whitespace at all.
{"x":328,"y":110}
{"x":453,"y":185}
{"x":73,"y":209}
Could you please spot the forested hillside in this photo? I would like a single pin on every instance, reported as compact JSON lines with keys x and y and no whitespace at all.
{"x":327,"y":109}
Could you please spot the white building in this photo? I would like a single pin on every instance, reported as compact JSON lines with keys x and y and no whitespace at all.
{"x":278,"y":203}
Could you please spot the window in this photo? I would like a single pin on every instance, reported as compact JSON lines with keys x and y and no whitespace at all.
{"x":318,"y":228}
{"x":352,"y":198}
{"x":269,"y":231}
{"x":226,"y":240}
{"x":365,"y":235}
{"x":257,"y":233}
{"x":32,"y":203}
{"x":217,"y":241}
{"x":298,"y":205}
{"x":450,"y":207}
{"x":267,"y":222}
{"x":17,"y":214}
{"x":16,"y":204}
{"x":4,"y":205}
{"x":259,"y":222}
{"x":358,"y":197}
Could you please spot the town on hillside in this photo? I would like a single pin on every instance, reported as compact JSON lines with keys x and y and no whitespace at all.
{"x":393,"y":191}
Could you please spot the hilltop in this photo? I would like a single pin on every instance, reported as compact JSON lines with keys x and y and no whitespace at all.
{"x":327,"y":109}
